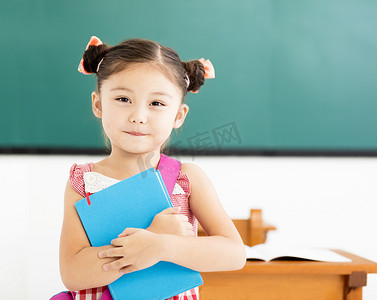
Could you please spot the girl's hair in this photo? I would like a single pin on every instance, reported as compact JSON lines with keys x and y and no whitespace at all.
{"x":113,"y":59}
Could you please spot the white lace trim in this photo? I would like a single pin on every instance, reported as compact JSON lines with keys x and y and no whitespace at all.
{"x":95,"y":182}
{"x":178,"y":189}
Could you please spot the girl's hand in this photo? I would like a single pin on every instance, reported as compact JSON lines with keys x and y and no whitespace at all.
{"x":137,"y":250}
{"x":169,"y":221}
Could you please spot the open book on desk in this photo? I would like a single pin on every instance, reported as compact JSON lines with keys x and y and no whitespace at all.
{"x":268,"y":252}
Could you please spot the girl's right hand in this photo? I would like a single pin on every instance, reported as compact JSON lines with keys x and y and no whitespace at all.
{"x":170,"y":221}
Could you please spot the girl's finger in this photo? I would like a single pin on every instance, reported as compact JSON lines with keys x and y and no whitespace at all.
{"x":128,"y":231}
{"x":128,"y":269}
{"x":183,"y":218}
{"x":117,"y":264}
{"x":119,"y":242}
{"x":171,"y":210}
{"x":114,"y":252}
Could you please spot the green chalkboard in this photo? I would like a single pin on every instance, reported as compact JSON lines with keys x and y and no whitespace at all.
{"x":290,"y":75}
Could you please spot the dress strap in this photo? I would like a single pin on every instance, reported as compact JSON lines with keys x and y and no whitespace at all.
{"x":169,"y":169}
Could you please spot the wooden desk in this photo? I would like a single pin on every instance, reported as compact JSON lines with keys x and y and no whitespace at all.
{"x":291,"y":280}
{"x":253,"y":230}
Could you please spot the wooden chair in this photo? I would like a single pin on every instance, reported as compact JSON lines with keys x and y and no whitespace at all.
{"x":253,"y":231}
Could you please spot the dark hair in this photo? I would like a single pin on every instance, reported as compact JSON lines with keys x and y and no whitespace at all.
{"x":117,"y":58}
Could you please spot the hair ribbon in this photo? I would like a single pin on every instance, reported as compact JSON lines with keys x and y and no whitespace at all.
{"x":209,"y":70}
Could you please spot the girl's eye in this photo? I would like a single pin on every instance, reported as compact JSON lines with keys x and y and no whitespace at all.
{"x":123,"y":99}
{"x":157,"y":103}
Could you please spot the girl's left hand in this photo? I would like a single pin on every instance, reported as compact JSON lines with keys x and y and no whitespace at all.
{"x":138,"y":250}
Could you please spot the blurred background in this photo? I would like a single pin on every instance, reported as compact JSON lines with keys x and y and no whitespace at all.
{"x":287,"y":126}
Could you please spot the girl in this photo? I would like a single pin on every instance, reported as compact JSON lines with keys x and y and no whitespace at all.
{"x":139,"y":97}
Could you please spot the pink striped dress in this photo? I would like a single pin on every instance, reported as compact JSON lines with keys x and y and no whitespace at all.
{"x":84,"y":180}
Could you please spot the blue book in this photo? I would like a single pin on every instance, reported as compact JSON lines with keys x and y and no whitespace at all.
{"x":134,"y":202}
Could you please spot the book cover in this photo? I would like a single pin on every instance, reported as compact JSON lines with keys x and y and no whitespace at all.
{"x":134,"y":202}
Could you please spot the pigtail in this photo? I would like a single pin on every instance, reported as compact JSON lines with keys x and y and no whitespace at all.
{"x":92,"y":57}
{"x":195,"y":72}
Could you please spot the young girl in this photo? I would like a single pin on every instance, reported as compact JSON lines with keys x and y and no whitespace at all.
{"x":141,"y":86}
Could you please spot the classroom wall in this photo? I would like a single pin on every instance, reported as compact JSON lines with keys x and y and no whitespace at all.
{"x":324,"y":202}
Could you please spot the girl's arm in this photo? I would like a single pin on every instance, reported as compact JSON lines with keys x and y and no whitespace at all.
{"x":80,"y":266}
{"x":221,"y":250}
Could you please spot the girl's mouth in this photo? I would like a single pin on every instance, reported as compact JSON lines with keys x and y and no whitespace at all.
{"x":136,"y":133}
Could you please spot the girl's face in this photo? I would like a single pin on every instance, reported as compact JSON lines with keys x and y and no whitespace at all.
{"x":139,"y":107}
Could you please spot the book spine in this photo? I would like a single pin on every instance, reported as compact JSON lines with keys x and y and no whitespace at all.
{"x":158,"y":174}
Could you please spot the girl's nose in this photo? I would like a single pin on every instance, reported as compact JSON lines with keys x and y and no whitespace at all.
{"x":138,"y":115}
